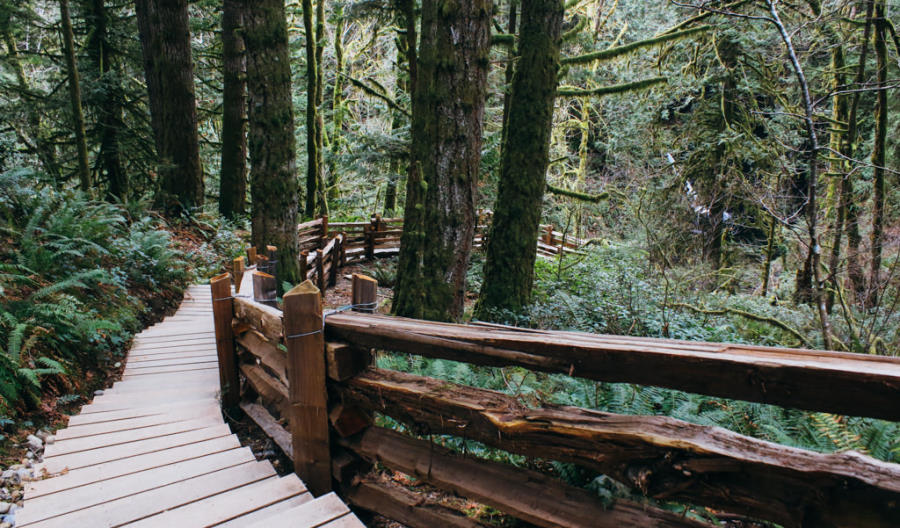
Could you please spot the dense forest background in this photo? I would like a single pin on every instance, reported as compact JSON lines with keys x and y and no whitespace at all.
{"x":732,"y":165}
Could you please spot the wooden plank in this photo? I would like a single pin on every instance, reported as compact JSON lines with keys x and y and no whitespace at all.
{"x":108,"y":454}
{"x":303,"y":322}
{"x":75,"y":445}
{"x":272,"y":391}
{"x":527,"y":495}
{"x":266,"y":351}
{"x":310,"y":515}
{"x":109,"y":470}
{"x":405,"y":506}
{"x":229,"y":505}
{"x":134,"y":360}
{"x":813,"y":380}
{"x":131,"y":403}
{"x":345,"y":361}
{"x":269,"y":511}
{"x":270,"y":426}
{"x":660,"y":456}
{"x":130,"y":509}
{"x":166,"y":370}
{"x":264,"y":319}
{"x":83,"y":419}
{"x":115,"y":488}
{"x":79,"y":431}
{"x":135,"y":366}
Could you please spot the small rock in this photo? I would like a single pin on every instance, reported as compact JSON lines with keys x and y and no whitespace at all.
{"x":98,"y":393}
{"x":29,"y":455}
{"x":35,"y":443}
{"x":42,"y":434}
{"x":5,"y":524}
{"x":6,"y":475}
{"x":4,"y":507}
{"x":50,"y":439}
{"x":4,"y":494}
{"x":16,"y":467}
{"x":118,"y":364}
{"x":25,"y":474}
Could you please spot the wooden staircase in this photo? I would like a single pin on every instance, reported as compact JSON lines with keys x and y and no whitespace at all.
{"x":154,"y":450}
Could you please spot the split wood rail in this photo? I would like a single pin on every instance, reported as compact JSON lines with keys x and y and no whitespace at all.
{"x":308,"y":378}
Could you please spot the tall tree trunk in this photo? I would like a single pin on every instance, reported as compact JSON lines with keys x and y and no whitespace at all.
{"x":108,"y":105}
{"x":321,"y":194}
{"x":273,"y":172}
{"x":233,"y":175}
{"x":878,"y":153}
{"x":166,"y":46}
{"x":313,"y":156}
{"x":848,"y":149}
{"x":84,"y":171}
{"x":509,"y":267}
{"x":337,"y":104}
{"x":511,"y":28}
{"x":448,"y":110}
{"x":840,"y":111}
{"x":405,"y":50}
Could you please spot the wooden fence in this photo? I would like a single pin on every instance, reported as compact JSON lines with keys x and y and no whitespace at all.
{"x":308,"y":378}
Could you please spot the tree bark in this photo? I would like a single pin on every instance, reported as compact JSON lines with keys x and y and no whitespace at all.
{"x":313,"y":156}
{"x":840,"y":110}
{"x":108,"y":104}
{"x":84,"y":171}
{"x":273,"y":171}
{"x":165,"y":42}
{"x":233,"y":175}
{"x":509,"y":268}
{"x":448,"y":110}
{"x":337,"y":104}
{"x":878,"y":154}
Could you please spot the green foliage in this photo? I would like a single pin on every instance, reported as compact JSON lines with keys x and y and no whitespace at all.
{"x":69,"y":269}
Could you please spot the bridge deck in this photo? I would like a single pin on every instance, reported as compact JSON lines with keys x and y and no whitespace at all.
{"x":154,"y":449}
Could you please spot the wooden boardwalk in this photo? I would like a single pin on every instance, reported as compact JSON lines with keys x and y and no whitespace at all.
{"x":154,"y":451}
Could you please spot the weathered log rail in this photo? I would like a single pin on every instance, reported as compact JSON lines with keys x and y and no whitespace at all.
{"x":301,"y":366}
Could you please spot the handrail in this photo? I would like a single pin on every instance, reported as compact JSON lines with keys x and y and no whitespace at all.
{"x":660,"y":457}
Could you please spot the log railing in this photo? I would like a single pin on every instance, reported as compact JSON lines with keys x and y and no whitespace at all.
{"x":314,"y":372}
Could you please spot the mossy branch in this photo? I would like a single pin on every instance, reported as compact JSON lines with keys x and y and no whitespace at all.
{"x":628,"y":48}
{"x":704,"y":16}
{"x":579,"y":26}
{"x":570,"y":91}
{"x":585,"y":197}
{"x":375,"y":93}
{"x":748,"y":315}
{"x":503,"y":39}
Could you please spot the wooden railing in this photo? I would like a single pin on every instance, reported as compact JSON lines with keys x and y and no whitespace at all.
{"x":309,"y":380}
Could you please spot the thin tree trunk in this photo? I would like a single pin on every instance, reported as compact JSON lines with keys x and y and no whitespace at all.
{"x":108,"y":105}
{"x":337,"y":104}
{"x":878,"y":153}
{"x":233,"y":175}
{"x":510,"y":68}
{"x":313,"y":169}
{"x":854,"y":240}
{"x":166,"y":46}
{"x":812,"y":154}
{"x":273,"y":172}
{"x":321,"y":197}
{"x":840,"y":115}
{"x":448,"y":110}
{"x":509,"y":267}
{"x":84,"y":171}
{"x":770,"y":253}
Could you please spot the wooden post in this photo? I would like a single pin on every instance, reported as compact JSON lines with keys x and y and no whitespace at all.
{"x":548,"y":235}
{"x":324,"y":230}
{"x":320,"y":270}
{"x":262,"y":263}
{"x":304,"y":264}
{"x":238,"y":267}
{"x":335,"y":260}
{"x":223,"y":314}
{"x":370,"y":242}
{"x":364,"y":291}
{"x":264,"y":288}
{"x":251,"y":255}
{"x":272,"y":256}
{"x":305,"y":343}
{"x":342,"y":254}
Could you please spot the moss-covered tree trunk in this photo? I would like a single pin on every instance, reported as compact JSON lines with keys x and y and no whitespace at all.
{"x":511,"y":28}
{"x":337,"y":104}
{"x":313,"y":134}
{"x":169,"y":72}
{"x":879,"y":148}
{"x":233,"y":175}
{"x":509,"y":268}
{"x":270,"y":140}
{"x":448,"y":110}
{"x":84,"y":171}
{"x":840,"y":108}
{"x":108,"y":105}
